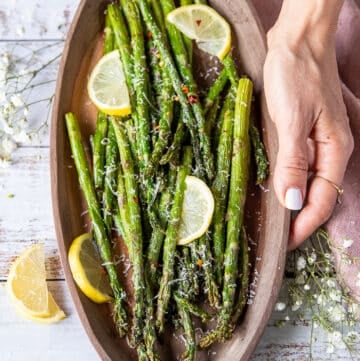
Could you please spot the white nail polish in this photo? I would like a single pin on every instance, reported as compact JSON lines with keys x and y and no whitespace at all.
{"x":293,"y":199}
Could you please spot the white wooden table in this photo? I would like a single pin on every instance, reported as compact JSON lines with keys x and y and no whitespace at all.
{"x":26,"y":218}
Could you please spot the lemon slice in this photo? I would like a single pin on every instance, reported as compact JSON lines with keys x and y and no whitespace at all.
{"x":197,"y":210}
{"x":55,"y":314}
{"x":203,"y":24}
{"x":26,"y":283}
{"x":107,"y":86}
{"x":86,"y":268}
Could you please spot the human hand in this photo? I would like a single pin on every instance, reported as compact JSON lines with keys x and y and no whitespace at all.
{"x":304,"y":99}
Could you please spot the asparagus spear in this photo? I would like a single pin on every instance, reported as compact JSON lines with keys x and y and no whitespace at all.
{"x":230,"y":68}
{"x":188,"y":42}
{"x":244,"y":283}
{"x":111,"y":169}
{"x":174,"y":148}
{"x":211,"y":118}
{"x":154,"y":248}
{"x":101,"y":125}
{"x":170,"y":240}
{"x":192,"y":308}
{"x":122,"y":43}
{"x":193,"y":116}
{"x":215,"y":90}
{"x":261,"y":160}
{"x":122,"y":219}
{"x":190,"y":343}
{"x":141,"y":82}
{"x":166,"y":118}
{"x":108,"y":36}
{"x":235,"y":211}
{"x":204,"y":251}
{"x":185,"y":272}
{"x":237,"y":196}
{"x":135,"y":230}
{"x":99,"y":142}
{"x":101,"y":236}
{"x":220,"y":186}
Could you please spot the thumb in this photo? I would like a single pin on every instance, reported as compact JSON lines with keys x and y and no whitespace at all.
{"x":291,"y":170}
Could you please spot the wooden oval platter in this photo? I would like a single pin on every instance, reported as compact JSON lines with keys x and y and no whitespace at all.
{"x":267,"y":221}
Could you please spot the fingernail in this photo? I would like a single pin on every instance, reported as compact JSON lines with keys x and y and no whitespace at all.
{"x":293,"y":199}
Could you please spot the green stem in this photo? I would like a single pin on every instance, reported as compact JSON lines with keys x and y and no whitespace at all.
{"x":110,"y":186}
{"x":171,"y":239}
{"x":100,"y":232}
{"x":135,"y":230}
{"x":220,"y":186}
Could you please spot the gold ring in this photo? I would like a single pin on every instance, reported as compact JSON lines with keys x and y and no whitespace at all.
{"x":339,"y":189}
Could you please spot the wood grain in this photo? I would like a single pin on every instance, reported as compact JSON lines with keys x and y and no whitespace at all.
{"x":270,"y":234}
{"x":35,"y":20}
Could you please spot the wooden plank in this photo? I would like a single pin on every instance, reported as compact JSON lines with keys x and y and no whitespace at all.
{"x":23,"y":19}
{"x":25,"y":340}
{"x":22,"y":339}
{"x":25,"y":212}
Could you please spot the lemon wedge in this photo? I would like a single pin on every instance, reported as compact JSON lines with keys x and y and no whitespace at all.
{"x":107,"y":86}
{"x":197,"y":210}
{"x":27,"y":288}
{"x":203,"y":24}
{"x":26,"y":282}
{"x":55,"y":313}
{"x":87,"y":271}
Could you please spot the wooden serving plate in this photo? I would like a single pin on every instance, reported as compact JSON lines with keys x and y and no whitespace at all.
{"x":267,"y":221}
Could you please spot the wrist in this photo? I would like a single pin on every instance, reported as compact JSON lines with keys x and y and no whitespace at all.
{"x":312,"y":21}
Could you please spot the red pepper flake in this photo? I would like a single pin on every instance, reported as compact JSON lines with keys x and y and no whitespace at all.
{"x":185,"y":89}
{"x":193,"y":98}
{"x":157,"y":127}
{"x":149,"y":35}
{"x":198,"y":22}
{"x":136,"y":199}
{"x":199,"y":262}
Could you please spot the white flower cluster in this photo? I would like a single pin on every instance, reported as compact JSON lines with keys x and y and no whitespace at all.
{"x":315,"y":295}
{"x":13,"y":113}
{"x":20,"y":76}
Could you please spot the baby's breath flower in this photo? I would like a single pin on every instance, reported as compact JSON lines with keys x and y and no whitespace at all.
{"x":312,"y":258}
{"x":330,"y":348}
{"x":331,"y":283}
{"x":335,"y":295}
{"x":296,"y":305}
{"x":329,"y":304}
{"x":280,"y":306}
{"x":17,"y":101}
{"x":336,"y":313}
{"x":320,"y":300}
{"x":300,"y":263}
{"x":7,"y":145}
{"x":347,"y":243}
